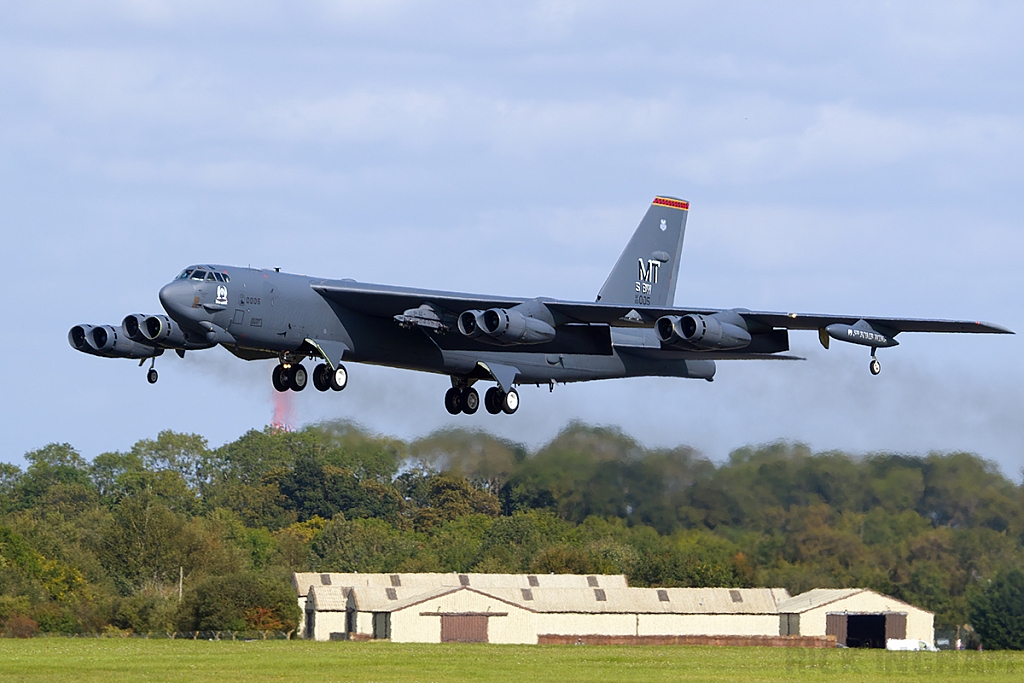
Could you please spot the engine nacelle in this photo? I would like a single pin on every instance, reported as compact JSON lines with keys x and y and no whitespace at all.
{"x":105,"y":340}
{"x":703,"y":331}
{"x":132,"y":326}
{"x":471,"y":323}
{"x":159,"y":329}
{"x":509,"y":326}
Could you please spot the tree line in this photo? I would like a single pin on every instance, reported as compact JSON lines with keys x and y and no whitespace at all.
{"x":88,"y":546}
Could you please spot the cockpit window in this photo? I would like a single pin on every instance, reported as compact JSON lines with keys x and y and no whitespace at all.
{"x":226,"y":278}
{"x":210,"y":277}
{"x":199,"y":275}
{"x":220,"y":278}
{"x":186,"y":274}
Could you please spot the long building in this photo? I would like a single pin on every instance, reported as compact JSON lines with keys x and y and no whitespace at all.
{"x":527,"y":608}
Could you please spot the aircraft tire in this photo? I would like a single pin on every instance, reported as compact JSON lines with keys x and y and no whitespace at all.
{"x":152,"y":376}
{"x":279,"y":379}
{"x":874,"y":366}
{"x":451,"y":401}
{"x":510,"y":402}
{"x":469,"y":400}
{"x":297,"y":377}
{"x":321,"y":377}
{"x":492,"y":400}
{"x":338,"y":379}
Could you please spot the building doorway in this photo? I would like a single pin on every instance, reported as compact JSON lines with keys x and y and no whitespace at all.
{"x":866,"y":630}
{"x":463,"y":628}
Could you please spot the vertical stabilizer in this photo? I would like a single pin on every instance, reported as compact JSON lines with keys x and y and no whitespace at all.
{"x":645,"y":274}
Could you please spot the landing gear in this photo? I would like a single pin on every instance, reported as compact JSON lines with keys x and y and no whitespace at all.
{"x":339,"y":378}
{"x":492,"y":400}
{"x":321,"y":379}
{"x":152,"y":376}
{"x":469,"y":401}
{"x":497,"y":401}
{"x":297,"y":377}
{"x":451,"y":401}
{"x":279,"y":379}
{"x":874,"y":366}
{"x":325,"y":379}
{"x":292,"y":377}
{"x":462,"y":400}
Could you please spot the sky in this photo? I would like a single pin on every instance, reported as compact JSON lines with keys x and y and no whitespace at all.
{"x":845,"y":157}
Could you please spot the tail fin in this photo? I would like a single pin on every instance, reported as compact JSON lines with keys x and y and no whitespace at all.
{"x":645,"y":274}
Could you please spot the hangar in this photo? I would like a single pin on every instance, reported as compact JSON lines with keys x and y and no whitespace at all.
{"x":857,"y":617}
{"x":514,"y":608}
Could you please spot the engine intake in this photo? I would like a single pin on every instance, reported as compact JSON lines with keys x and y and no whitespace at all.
{"x":703,"y":331}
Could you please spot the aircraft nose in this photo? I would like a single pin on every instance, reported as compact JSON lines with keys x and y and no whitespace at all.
{"x":177,"y":296}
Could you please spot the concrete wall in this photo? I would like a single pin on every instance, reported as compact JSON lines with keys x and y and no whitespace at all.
{"x":920,"y":624}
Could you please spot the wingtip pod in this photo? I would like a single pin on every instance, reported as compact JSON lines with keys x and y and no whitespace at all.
{"x":992,"y":328}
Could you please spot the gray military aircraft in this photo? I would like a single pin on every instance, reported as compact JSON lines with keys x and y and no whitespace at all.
{"x":631,"y":330}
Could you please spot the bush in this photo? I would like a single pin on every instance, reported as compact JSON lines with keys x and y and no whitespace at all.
{"x":239,"y":602}
{"x":20,"y":626}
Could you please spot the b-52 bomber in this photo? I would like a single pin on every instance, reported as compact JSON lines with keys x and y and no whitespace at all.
{"x":631,"y":330}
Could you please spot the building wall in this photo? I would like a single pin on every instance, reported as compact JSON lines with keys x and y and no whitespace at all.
{"x":920,"y":624}
{"x":560,"y":623}
{"x":326,"y":623}
{"x":300,"y":631}
{"x":408,"y":626}
{"x":708,"y":624}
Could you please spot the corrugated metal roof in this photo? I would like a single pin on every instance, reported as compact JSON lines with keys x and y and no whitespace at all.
{"x":646,"y":600}
{"x":564,"y":600}
{"x":820,"y":597}
{"x":816,"y":598}
{"x":303,"y":580}
{"x":328,"y":598}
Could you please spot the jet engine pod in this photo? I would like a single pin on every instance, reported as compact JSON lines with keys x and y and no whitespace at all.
{"x":104,"y":340}
{"x":703,"y":331}
{"x":78,"y":337}
{"x":509,"y":326}
{"x":471,"y":323}
{"x":160,"y":329}
{"x":132,"y":327}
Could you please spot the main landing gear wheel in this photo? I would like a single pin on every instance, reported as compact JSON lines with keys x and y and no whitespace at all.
{"x":510,"y":404}
{"x":874,"y":366}
{"x":469,"y":401}
{"x":152,"y":376}
{"x":279,"y":379}
{"x":451,"y":401}
{"x":296,"y":377}
{"x":337,"y":379}
{"x":321,"y":377}
{"x":492,"y":400}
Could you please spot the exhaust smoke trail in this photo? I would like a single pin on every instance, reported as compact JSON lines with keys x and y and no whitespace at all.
{"x":284,"y":413}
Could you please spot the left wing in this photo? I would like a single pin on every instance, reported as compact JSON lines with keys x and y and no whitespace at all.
{"x":388,"y":301}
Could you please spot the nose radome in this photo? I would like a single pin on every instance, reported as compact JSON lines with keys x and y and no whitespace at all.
{"x":176,"y":297}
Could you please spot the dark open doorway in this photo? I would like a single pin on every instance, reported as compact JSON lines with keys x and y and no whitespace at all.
{"x":865,"y":630}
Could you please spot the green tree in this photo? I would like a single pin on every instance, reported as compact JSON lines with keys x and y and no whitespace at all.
{"x":997,"y":611}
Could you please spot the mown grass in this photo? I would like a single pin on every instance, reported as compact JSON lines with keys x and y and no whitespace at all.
{"x":138,"y":660}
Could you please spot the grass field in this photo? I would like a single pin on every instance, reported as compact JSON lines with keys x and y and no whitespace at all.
{"x":139,"y":660}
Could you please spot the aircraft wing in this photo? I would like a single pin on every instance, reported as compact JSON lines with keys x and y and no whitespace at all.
{"x":387,"y":301}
